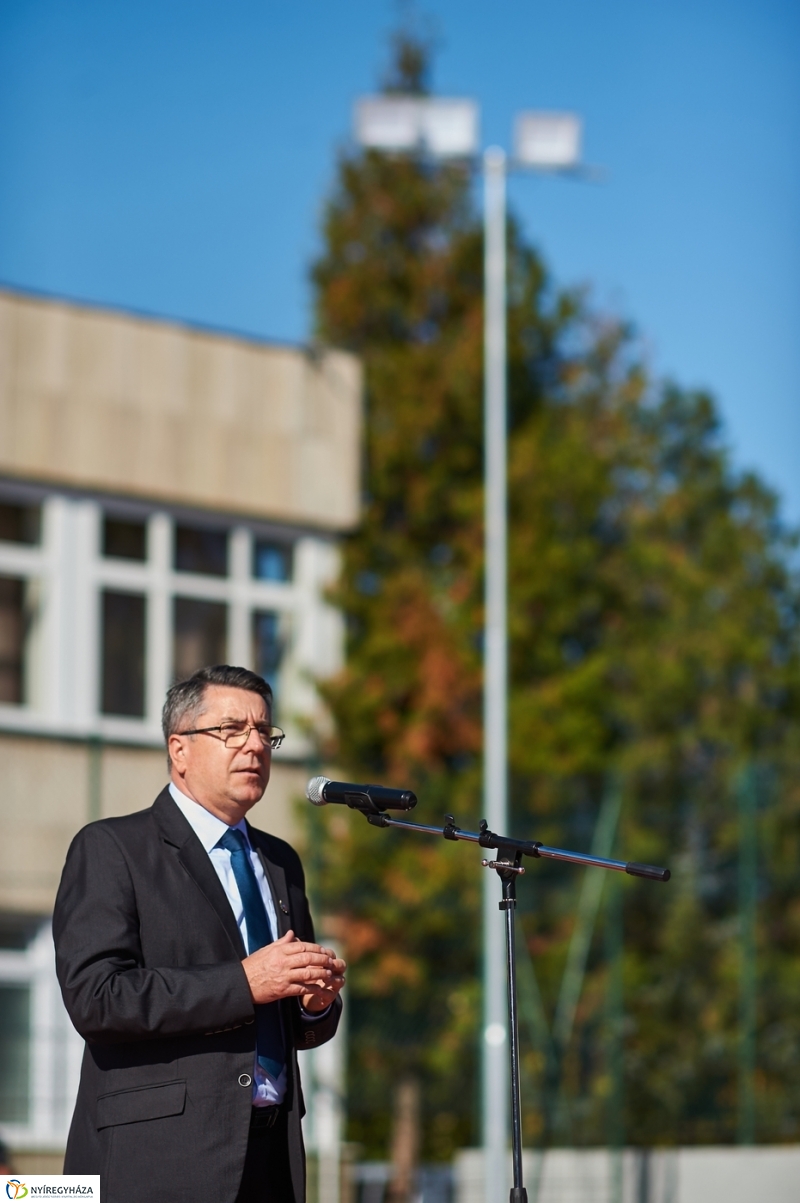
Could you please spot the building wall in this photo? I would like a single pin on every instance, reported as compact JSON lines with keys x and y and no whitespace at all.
{"x":111,"y":421}
{"x":107,"y":401}
{"x":51,"y":788}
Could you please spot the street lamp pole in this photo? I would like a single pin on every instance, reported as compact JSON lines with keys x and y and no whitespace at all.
{"x":543,"y":142}
{"x":548,"y":142}
{"x":495,"y":685}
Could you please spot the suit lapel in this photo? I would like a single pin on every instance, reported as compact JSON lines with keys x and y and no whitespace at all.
{"x":197,"y":864}
{"x":277,"y":884}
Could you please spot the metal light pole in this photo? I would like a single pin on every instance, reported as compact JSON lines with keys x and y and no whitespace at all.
{"x":545,"y":142}
{"x":495,"y":681}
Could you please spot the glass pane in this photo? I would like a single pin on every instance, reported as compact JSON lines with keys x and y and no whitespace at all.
{"x":12,"y":638}
{"x":124,"y":540}
{"x":272,"y":561}
{"x":200,"y":550}
{"x":201,"y":635}
{"x":123,"y":654}
{"x":20,"y":523}
{"x":15,"y":1037}
{"x":269,"y":646}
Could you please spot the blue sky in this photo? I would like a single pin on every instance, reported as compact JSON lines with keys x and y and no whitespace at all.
{"x":174,"y":156}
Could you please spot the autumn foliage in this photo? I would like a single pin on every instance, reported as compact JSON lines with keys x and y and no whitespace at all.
{"x":653,"y":626}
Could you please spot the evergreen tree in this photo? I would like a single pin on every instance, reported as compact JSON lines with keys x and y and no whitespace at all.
{"x":653,"y":631}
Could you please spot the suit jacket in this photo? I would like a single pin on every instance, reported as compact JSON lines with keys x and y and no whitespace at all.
{"x":148,"y":956}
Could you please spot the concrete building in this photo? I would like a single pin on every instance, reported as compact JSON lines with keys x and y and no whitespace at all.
{"x":169,"y":498}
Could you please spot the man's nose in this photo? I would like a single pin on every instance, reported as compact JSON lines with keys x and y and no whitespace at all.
{"x":256,"y":744}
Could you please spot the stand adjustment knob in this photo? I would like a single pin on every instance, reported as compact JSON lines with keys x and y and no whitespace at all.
{"x":503,"y":866}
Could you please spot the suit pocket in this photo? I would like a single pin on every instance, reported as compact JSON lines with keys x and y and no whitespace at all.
{"x":144,"y":1102}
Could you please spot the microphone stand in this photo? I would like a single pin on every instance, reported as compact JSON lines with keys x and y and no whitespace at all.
{"x":507,"y":864}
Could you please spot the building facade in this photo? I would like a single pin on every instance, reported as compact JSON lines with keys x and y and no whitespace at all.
{"x":169,"y":498}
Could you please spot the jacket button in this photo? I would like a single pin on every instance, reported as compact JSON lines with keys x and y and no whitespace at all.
{"x":245,"y":1080}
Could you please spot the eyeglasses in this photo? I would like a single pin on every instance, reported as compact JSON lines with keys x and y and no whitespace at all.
{"x":236,"y":735}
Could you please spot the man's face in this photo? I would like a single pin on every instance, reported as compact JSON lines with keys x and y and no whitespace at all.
{"x":227,"y":781}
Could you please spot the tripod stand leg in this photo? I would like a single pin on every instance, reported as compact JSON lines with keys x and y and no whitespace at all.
{"x":509,"y":905}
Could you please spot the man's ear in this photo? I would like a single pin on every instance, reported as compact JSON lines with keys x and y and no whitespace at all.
{"x":177,"y":752}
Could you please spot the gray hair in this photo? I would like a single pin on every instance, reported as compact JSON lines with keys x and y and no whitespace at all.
{"x":185,"y":699}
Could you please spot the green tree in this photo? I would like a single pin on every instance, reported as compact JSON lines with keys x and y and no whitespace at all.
{"x":653,"y":626}
{"x":401,"y":284}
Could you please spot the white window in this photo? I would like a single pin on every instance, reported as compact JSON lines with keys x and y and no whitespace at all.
{"x":20,"y":534}
{"x":40,"y":1051}
{"x":103,"y":604}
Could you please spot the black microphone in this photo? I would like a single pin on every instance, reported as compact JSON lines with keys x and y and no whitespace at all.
{"x":369,"y":798}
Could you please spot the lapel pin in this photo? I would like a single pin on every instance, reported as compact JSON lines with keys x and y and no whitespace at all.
{"x":283,"y":906}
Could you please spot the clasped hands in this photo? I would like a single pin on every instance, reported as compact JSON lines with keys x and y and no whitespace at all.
{"x":292,"y":968}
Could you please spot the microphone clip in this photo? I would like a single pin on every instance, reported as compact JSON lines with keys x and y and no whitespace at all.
{"x":364,"y":803}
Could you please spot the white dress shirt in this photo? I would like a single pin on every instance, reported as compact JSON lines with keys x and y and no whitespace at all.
{"x":209,"y":830}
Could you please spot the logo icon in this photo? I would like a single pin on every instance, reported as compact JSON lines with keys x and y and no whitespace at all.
{"x":16,"y":1189}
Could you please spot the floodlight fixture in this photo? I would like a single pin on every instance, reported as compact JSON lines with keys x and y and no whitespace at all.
{"x":450,"y":127}
{"x":441,"y":126}
{"x":387,"y":122}
{"x":547,"y":141}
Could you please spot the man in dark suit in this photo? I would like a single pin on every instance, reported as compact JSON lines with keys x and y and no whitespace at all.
{"x":186,"y":957}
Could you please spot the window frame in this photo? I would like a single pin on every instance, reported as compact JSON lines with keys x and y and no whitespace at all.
{"x":55,"y":1049}
{"x":71,"y":573}
{"x":27,"y":562}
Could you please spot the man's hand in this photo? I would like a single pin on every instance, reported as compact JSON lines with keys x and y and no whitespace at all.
{"x":291,"y":968}
{"x":324,"y":992}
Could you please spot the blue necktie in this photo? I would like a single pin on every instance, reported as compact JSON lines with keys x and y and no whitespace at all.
{"x":269,"y":1038}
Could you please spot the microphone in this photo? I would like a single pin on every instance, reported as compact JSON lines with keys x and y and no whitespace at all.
{"x":369,"y":798}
